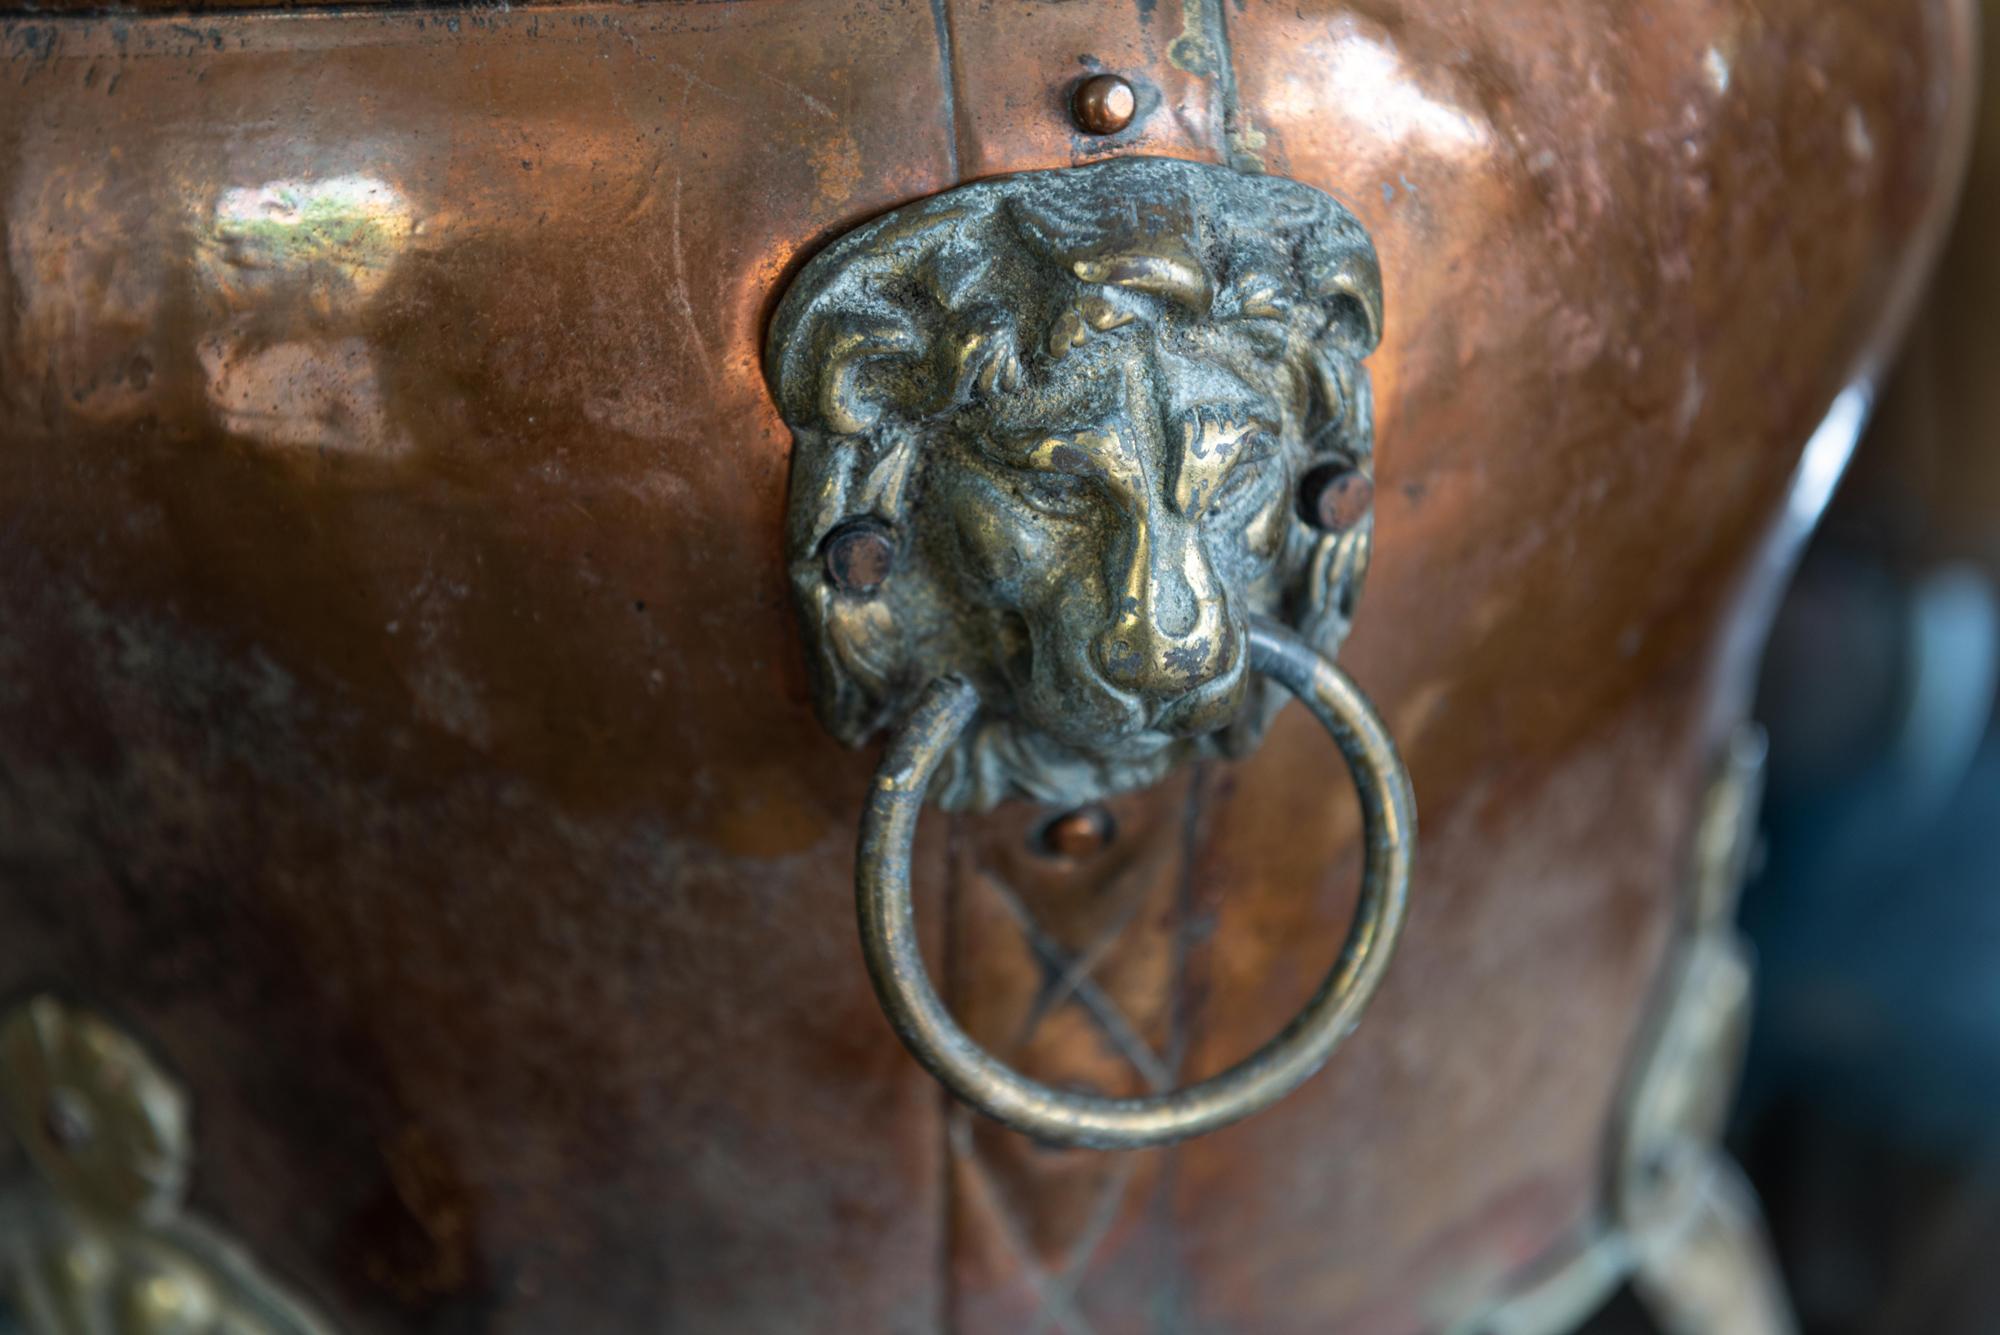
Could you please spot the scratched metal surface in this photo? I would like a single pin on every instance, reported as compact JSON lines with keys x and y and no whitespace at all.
{"x":401,"y":718}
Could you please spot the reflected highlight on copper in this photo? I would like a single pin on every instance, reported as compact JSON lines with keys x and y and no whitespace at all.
{"x":344,"y":233}
{"x":306,"y":255}
{"x":1377,"y":83}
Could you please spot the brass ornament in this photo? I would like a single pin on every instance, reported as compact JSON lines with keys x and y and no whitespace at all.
{"x":1080,"y":490}
{"x":1679,"y":1220}
{"x":1079,"y":405}
{"x":96,"y":1239}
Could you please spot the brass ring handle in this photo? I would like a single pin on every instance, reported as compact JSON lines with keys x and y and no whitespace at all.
{"x":889,"y":935}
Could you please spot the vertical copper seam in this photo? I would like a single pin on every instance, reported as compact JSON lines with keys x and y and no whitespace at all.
{"x":1179,"y":1023}
{"x":1184,"y":907}
{"x":1225,"y":80}
{"x":948,"y":80}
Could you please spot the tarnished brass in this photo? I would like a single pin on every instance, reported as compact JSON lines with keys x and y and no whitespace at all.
{"x":1058,"y":423}
{"x":1080,"y":402}
{"x":1701,"y":1259}
{"x":99,"y":1242}
{"x":1063,"y":1117}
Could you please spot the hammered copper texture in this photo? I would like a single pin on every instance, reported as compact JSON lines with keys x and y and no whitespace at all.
{"x":402,"y":720}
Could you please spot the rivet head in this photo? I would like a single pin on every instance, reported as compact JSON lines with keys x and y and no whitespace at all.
{"x":1103,"y":104}
{"x":1082,"y":833}
{"x":1335,"y":497}
{"x":858,"y":555}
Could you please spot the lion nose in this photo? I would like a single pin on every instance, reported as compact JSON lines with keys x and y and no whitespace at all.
{"x":1167,"y":632}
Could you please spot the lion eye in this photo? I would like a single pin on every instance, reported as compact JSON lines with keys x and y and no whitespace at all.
{"x":1059,"y":494}
{"x":1246,"y":480}
{"x":1240,"y":485}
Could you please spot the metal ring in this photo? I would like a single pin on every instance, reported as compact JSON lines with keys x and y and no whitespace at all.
{"x":889,"y":934}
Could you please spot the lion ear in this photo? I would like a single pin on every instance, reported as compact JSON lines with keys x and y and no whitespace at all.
{"x":838,"y":478}
{"x":1329,"y":589}
{"x":1347,"y":283}
{"x":1343,"y":420}
{"x":863,"y":369}
{"x":860,"y":656}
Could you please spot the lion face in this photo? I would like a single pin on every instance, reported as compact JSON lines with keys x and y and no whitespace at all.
{"x":1078,"y":404}
{"x":1112,"y":522}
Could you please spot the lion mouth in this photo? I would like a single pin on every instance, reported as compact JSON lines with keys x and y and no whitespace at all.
{"x":1089,"y":714}
{"x":1127,"y":723}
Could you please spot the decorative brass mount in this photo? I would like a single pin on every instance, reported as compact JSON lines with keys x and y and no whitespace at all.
{"x":1079,"y":455}
{"x":1679,"y":1220}
{"x":98,"y":1241}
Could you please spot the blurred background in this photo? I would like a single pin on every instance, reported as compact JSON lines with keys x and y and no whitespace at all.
{"x":1866,"y":1116}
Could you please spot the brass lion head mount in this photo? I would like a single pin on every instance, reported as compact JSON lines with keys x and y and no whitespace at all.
{"x":1070,"y":412}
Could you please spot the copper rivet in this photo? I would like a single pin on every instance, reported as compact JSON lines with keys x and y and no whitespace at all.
{"x":1335,"y":497}
{"x":1079,"y":834}
{"x":1103,"y":104}
{"x":858,"y":555}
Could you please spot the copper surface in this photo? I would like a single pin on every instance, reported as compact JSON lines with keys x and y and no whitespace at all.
{"x":401,"y":714}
